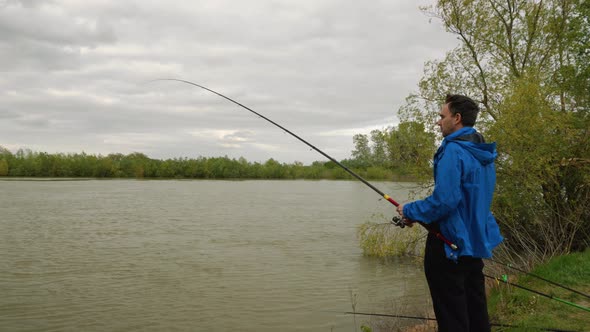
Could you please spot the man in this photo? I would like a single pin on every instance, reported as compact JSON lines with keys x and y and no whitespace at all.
{"x":459,"y":207}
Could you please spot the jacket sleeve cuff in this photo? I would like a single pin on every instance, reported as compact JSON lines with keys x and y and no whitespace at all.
{"x":407,"y":211}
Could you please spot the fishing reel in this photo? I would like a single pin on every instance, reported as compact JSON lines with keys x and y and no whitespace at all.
{"x":398,"y":221}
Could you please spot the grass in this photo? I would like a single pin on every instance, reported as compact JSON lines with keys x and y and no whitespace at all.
{"x":507,"y":304}
{"x":387,"y":240}
{"x":518,"y":307}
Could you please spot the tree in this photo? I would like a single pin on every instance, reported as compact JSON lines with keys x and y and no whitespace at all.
{"x":4,"y":151}
{"x":5,"y":155}
{"x":527,"y":63}
{"x":411,"y":148}
{"x":542,"y":200}
{"x":362,"y":152}
{"x":273,"y":169}
{"x":379,"y":150}
{"x":3,"y":167}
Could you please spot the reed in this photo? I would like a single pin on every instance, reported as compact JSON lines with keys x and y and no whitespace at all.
{"x":386,"y":240}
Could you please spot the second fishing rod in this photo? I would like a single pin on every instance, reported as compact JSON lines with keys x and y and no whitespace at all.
{"x":396,"y":221}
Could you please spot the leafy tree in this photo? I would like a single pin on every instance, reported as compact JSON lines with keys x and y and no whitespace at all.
{"x":3,"y":167}
{"x":379,"y":151}
{"x":105,"y":167}
{"x":362,"y":152}
{"x":273,"y":169}
{"x":526,"y":62}
{"x":543,"y":193}
{"x":5,"y":156}
{"x":406,"y":148}
{"x":500,"y":41}
{"x":411,"y":148}
{"x":4,"y":151}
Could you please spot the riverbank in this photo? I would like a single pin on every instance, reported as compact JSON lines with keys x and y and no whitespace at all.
{"x":523,"y":302}
{"x":527,"y":310}
{"x":511,"y":305}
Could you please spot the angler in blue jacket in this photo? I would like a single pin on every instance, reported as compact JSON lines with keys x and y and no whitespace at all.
{"x":459,"y":207}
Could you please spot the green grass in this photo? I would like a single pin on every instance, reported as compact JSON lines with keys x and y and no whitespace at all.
{"x":510,"y":305}
{"x":387,"y":240}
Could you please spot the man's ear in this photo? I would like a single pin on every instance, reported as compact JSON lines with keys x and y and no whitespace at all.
{"x":458,"y":118}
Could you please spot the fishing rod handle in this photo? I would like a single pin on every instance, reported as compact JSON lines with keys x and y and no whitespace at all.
{"x":445,"y":240}
{"x":391,"y":200}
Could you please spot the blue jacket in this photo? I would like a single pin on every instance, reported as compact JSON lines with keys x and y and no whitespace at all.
{"x":464,"y":181}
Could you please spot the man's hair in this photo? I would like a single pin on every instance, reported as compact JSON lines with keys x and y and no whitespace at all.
{"x":464,"y":106}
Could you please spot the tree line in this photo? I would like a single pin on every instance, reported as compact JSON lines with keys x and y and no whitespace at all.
{"x":26,"y":163}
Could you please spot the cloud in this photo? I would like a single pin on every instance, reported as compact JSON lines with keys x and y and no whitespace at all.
{"x":75,"y":75}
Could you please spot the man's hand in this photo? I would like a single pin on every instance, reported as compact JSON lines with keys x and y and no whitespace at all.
{"x":400,"y":210}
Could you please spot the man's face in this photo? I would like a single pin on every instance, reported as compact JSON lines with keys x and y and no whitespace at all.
{"x":448,"y":122}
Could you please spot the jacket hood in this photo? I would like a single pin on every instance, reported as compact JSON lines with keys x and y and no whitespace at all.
{"x":485,"y":153}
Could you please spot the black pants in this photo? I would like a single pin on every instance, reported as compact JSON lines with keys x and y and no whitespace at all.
{"x":457,"y":290}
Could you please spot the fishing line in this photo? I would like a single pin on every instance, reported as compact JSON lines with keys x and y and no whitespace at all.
{"x":504,"y":279}
{"x":539,"y":293}
{"x":397,"y":221}
{"x":539,"y":277}
{"x":433,"y":319}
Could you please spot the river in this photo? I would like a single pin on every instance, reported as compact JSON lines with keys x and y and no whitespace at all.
{"x":195,"y":255}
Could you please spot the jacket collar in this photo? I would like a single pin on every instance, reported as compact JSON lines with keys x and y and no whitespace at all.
{"x":458,"y":133}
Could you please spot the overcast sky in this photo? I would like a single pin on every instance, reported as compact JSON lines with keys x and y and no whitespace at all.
{"x":74,"y":73}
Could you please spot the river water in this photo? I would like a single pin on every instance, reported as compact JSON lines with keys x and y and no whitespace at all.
{"x":129,"y":255}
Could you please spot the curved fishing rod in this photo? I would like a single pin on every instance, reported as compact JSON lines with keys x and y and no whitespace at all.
{"x":396,"y":221}
{"x":429,"y":318}
{"x":539,"y":277}
{"x":539,"y":293}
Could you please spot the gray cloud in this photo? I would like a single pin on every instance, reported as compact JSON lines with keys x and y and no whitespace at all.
{"x":74,"y":74}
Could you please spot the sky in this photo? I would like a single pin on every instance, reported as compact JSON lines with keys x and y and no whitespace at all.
{"x":78,"y":75}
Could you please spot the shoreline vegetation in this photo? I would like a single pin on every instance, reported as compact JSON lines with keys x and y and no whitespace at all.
{"x":522,"y":309}
{"x":29,"y":164}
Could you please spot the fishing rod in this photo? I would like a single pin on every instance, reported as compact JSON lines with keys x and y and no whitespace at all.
{"x":429,"y":318}
{"x":395,"y":220}
{"x":504,"y":280}
{"x":539,"y":277}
